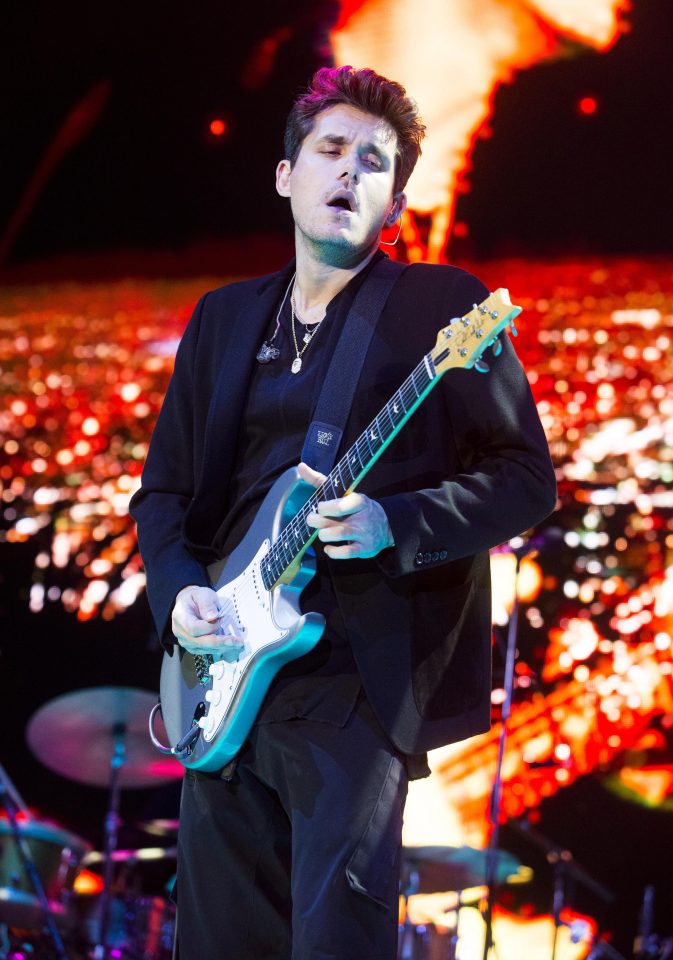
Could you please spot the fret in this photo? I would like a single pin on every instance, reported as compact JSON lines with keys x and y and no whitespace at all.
{"x":344,"y":465}
{"x":366,"y":436}
{"x":359,"y":458}
{"x":357,"y":450}
{"x":412,"y":378}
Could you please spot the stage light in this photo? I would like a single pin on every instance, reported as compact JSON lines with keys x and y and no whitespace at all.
{"x":218,"y":127}
{"x":587,"y":106}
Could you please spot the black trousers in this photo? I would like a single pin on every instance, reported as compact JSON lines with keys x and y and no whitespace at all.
{"x":297,"y":856}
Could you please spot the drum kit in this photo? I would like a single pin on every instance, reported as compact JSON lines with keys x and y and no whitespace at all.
{"x":61,"y":900}
{"x":58,"y":897}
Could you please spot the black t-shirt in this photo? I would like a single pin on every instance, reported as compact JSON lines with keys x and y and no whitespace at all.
{"x":323,"y":684}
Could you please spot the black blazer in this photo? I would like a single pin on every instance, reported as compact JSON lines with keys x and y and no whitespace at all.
{"x":469,"y":471}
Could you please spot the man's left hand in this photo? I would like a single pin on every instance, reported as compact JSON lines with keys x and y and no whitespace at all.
{"x":354,"y":518}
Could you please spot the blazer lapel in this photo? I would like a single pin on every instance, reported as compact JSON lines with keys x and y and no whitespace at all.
{"x":226,"y":406}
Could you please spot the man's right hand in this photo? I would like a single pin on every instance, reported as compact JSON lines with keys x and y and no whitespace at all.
{"x":200,"y":628}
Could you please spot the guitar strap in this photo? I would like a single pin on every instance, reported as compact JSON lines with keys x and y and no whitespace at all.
{"x":336,"y":397}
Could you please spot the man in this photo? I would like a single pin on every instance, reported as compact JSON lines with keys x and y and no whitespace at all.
{"x":293,"y":851}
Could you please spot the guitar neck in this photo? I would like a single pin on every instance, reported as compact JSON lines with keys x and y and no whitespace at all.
{"x":460,"y":344}
{"x":345,"y":476}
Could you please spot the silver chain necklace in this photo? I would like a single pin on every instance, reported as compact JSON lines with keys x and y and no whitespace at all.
{"x":308,"y":337}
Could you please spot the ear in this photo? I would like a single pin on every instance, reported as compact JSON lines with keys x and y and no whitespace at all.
{"x":397,"y":209}
{"x":283,"y":172}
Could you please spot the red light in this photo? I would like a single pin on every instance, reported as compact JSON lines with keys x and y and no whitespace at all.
{"x":587,"y":106}
{"x":218,"y":127}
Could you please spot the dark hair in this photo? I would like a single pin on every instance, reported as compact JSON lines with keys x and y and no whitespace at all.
{"x":368,"y":91}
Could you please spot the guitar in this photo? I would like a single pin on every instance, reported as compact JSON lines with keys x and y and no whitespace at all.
{"x":209,"y":703}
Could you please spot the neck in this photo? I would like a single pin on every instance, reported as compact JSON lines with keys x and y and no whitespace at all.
{"x":319,"y":281}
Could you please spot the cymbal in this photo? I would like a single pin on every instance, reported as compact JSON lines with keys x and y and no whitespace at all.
{"x":75,"y":735}
{"x":455,"y":868}
{"x":141,"y":855}
{"x":159,"y":827}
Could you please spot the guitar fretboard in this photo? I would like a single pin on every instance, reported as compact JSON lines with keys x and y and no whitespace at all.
{"x":296,"y":535}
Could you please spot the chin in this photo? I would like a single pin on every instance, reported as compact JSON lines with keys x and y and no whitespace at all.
{"x":343,"y":251}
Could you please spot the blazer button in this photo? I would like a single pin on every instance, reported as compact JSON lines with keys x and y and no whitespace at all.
{"x":418,"y":559}
{"x":443,"y":554}
{"x":435,"y":557}
{"x":427,"y":557}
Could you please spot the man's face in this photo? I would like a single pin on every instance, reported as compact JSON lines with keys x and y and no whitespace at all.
{"x":341,"y":185}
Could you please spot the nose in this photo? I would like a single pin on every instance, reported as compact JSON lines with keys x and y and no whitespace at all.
{"x":350,"y":169}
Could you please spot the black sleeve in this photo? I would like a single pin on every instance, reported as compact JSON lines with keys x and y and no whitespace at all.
{"x":167,"y":488}
{"x":506,"y":483}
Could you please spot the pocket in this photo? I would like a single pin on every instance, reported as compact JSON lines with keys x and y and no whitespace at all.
{"x":373,"y":869}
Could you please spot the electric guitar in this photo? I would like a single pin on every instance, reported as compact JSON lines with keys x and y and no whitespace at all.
{"x":209,"y":703}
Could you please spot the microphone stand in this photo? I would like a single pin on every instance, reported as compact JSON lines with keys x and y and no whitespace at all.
{"x":13,"y":804}
{"x":496,"y":794}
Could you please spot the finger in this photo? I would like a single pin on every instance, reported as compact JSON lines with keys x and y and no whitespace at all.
{"x":344,"y":506}
{"x":309,"y":475}
{"x":315,"y":520}
{"x":344,"y":551}
{"x":207,"y":604}
{"x":337,"y":532}
{"x":191,"y":626}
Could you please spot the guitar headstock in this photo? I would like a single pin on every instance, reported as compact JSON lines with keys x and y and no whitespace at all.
{"x":462,"y":342}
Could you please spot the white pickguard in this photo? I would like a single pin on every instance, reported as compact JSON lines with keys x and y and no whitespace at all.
{"x":248,"y":607}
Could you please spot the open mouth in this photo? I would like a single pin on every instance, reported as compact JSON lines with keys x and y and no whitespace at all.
{"x":342,"y":203}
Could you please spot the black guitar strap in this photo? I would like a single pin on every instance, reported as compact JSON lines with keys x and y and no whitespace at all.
{"x":336,"y":397}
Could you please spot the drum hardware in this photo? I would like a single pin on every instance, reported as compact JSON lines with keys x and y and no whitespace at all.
{"x":439,"y":869}
{"x":141,"y":855}
{"x":140,"y":927}
{"x":564,"y":866}
{"x":160,"y":827}
{"x":407,"y":889}
{"x":98,"y":736}
{"x":13,"y":805}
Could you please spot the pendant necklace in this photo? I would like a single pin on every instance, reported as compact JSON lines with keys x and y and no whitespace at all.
{"x":308,"y":336}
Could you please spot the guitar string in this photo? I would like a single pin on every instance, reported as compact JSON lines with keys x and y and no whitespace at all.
{"x":276,"y":561}
{"x":408,"y":393}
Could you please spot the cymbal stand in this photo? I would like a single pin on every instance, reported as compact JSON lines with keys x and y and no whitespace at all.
{"x":559,"y":861}
{"x":110,"y":843}
{"x":406,"y":946}
{"x":496,"y":794}
{"x":13,"y":804}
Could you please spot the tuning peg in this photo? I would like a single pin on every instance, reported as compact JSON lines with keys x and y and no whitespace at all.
{"x":497,"y":346}
{"x":481,"y":366}
{"x":515,"y":332}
